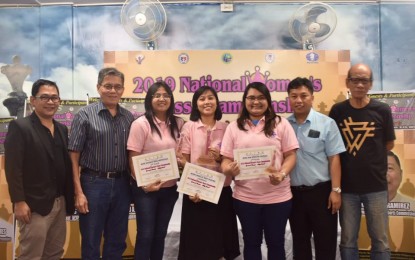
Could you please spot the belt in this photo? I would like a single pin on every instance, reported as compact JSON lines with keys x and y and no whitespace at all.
{"x":106,"y":175}
{"x":304,"y":187}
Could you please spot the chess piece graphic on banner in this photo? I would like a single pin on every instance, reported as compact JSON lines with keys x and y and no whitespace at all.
{"x":16,"y":73}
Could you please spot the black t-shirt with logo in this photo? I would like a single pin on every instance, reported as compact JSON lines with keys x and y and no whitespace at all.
{"x":365,"y":132}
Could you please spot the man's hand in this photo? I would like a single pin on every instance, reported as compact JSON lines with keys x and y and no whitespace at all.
{"x":22,"y":212}
{"x":335,"y":202}
{"x":81,"y":204}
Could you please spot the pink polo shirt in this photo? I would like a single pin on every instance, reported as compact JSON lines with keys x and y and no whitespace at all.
{"x":260,"y":190}
{"x":143,"y":141}
{"x":196,"y":139}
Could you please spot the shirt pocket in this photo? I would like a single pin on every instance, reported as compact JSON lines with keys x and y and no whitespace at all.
{"x":312,"y":145}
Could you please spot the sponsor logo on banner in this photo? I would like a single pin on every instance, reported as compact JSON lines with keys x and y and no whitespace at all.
{"x":183,"y":58}
{"x":312,"y":57}
{"x":227,"y":58}
{"x":139,"y":58}
{"x":270,"y":57}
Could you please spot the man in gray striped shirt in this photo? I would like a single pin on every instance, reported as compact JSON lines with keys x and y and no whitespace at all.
{"x":98,"y":152}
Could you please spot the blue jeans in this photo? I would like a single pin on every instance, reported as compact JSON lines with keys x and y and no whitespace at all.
{"x":375,"y":206}
{"x":259,"y":219}
{"x":153,"y":212}
{"x":109,"y":205}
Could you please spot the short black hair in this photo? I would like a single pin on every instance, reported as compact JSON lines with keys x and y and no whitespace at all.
{"x":298,"y":82}
{"x":109,"y":72}
{"x":42,"y":82}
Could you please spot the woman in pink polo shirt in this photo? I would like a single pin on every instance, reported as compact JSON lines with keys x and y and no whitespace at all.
{"x":158,"y":129}
{"x":208,"y":231}
{"x":263,"y":204}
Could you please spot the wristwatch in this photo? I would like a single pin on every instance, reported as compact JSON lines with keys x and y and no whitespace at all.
{"x":337,"y":189}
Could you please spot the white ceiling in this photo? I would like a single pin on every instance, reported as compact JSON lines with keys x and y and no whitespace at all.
{"x":17,"y":3}
{"x":57,"y":2}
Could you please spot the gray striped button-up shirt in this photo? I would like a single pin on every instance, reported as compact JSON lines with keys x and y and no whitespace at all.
{"x":101,"y":138}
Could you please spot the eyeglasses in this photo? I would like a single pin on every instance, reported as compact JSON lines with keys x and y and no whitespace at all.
{"x":364,"y":81}
{"x":109,"y":87}
{"x":159,"y":96}
{"x":46,"y":98}
{"x":258,"y":98}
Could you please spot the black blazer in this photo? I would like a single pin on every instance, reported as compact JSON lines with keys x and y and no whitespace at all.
{"x":26,"y":164}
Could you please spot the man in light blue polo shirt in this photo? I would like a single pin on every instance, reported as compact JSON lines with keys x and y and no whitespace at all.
{"x":315,"y":181}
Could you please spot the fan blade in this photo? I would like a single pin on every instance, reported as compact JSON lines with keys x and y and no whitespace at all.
{"x":313,"y":13}
{"x":324,"y":29}
{"x":300,"y":28}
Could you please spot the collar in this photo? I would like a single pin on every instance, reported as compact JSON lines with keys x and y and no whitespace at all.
{"x":217,"y":126}
{"x":309,"y":118}
{"x":248,"y":121}
{"x":159,"y":122}
{"x":102,"y":107}
{"x":34,"y":117}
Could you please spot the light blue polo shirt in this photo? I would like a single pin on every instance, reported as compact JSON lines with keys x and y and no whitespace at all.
{"x":319,"y":138}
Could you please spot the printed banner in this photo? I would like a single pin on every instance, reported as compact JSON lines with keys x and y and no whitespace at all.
{"x":134,"y":105}
{"x":4,"y":125}
{"x":230,"y":71}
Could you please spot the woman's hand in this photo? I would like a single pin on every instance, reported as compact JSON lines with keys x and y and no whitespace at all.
{"x":215,"y":154}
{"x":229,"y":167}
{"x":155,"y":186}
{"x":195,"y":198}
{"x":275,"y":177}
{"x":182,"y":159}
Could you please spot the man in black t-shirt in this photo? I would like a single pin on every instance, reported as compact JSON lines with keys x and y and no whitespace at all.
{"x":367,"y":130}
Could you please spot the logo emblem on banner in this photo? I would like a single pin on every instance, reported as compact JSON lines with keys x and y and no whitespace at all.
{"x":139,"y":58}
{"x":270,"y":57}
{"x":257,"y":76}
{"x":312,"y":57}
{"x":183,"y":58}
{"x":227,"y":57}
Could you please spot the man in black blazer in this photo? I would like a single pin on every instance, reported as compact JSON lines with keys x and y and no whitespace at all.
{"x":39,"y":174}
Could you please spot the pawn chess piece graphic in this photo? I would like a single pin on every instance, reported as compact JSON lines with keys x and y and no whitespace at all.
{"x":16,"y":73}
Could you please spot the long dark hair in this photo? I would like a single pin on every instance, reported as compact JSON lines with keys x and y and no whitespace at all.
{"x":195,"y":114}
{"x":270,"y":116}
{"x":170,"y":117}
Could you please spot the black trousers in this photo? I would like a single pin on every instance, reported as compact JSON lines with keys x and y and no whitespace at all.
{"x":311,"y":217}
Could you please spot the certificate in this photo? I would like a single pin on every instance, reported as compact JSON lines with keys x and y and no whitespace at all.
{"x":161,"y":165}
{"x":253,"y":161}
{"x":206,"y":183}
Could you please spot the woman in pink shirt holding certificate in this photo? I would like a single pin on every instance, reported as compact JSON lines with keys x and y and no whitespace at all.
{"x":208,"y":231}
{"x":262,"y":204}
{"x":158,"y":129}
